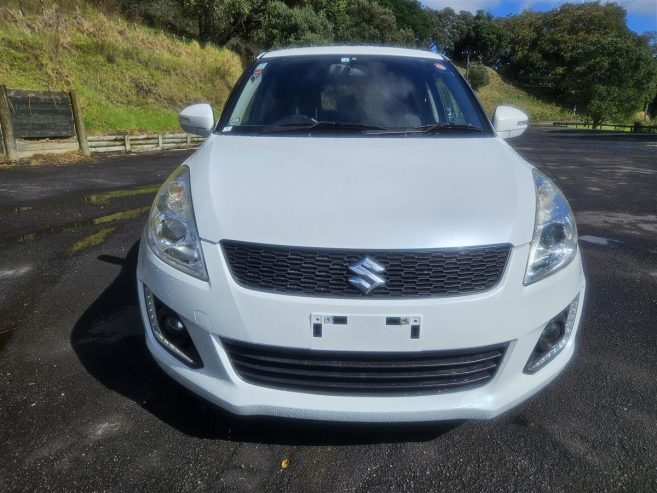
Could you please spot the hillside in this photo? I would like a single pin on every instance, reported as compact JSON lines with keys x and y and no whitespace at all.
{"x":499,"y":92}
{"x":133,"y":78}
{"x":130,"y":78}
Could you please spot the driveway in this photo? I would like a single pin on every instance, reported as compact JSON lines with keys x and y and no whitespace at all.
{"x":83,"y":406}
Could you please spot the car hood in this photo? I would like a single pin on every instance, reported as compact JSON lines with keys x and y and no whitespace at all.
{"x":364,"y":193}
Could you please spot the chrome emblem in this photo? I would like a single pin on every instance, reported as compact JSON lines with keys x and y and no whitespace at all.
{"x":367,"y":275}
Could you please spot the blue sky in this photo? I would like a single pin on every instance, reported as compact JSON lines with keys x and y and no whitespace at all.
{"x":641,"y":14}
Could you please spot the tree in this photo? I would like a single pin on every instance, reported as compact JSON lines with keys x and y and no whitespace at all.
{"x":446,"y":28}
{"x":650,"y":39}
{"x":478,"y":76}
{"x":610,"y":79}
{"x":411,"y":16}
{"x":353,"y":21}
{"x":219,"y":21}
{"x":481,"y":37}
{"x":294,"y":26}
{"x":584,"y":56}
{"x":335,"y":12}
{"x":369,"y":22}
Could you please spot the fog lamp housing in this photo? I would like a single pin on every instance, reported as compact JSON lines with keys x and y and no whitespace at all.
{"x":170,"y":331}
{"x":553,"y":339}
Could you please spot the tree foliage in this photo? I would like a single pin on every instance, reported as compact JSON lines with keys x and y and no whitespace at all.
{"x":481,"y":37}
{"x":272,"y":23}
{"x":446,"y":28}
{"x":370,"y":22}
{"x":580,"y":55}
{"x":294,"y":26}
{"x":219,"y":21}
{"x":411,"y":17}
{"x":478,"y":76}
{"x":584,"y":56}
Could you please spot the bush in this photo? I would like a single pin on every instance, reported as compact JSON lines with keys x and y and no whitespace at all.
{"x":285,"y":26}
{"x":479,"y":76}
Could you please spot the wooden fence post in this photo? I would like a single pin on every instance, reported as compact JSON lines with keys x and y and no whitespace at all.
{"x":7,"y":126}
{"x":126,"y":139}
{"x":79,"y":123}
{"x":159,"y":141}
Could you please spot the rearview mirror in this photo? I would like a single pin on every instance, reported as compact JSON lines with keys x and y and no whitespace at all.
{"x":197,"y":119}
{"x":509,"y":122}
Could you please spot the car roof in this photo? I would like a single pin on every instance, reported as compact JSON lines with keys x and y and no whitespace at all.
{"x":351,"y":50}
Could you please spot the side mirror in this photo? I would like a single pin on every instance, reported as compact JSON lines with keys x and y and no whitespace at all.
{"x":197,"y":119}
{"x":509,"y":122}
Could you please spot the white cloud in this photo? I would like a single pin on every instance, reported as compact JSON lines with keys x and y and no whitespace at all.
{"x":632,"y":6}
{"x":641,"y":7}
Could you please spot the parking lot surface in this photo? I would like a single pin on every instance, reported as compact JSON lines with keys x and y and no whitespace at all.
{"x":83,"y":406}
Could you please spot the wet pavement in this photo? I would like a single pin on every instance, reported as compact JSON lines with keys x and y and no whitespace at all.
{"x":83,"y":406}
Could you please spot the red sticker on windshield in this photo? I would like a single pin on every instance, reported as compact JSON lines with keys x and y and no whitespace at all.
{"x":258,"y":71}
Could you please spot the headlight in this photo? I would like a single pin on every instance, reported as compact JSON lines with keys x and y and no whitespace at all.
{"x":172,"y":233}
{"x":555,"y":235}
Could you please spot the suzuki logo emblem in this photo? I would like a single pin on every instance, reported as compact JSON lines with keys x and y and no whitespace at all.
{"x":367,"y":275}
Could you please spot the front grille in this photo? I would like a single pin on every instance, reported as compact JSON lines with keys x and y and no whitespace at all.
{"x":331,"y":372}
{"x":324,"y":272}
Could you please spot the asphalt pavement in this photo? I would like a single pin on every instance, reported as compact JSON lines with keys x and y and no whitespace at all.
{"x":84,"y":407}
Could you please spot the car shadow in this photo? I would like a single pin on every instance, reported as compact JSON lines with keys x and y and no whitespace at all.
{"x":109,"y":341}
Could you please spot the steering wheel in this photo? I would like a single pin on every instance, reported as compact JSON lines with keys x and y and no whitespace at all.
{"x":294,"y":120}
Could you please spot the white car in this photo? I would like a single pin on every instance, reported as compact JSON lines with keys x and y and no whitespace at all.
{"x":355,"y":241}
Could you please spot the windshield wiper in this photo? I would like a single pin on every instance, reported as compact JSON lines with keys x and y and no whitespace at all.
{"x":447,"y":127}
{"x":355,"y":127}
{"x":433,"y":128}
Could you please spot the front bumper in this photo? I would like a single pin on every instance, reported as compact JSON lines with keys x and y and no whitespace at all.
{"x":510,"y":313}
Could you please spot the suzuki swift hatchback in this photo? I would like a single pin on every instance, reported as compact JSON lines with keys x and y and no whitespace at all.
{"x":355,"y":241}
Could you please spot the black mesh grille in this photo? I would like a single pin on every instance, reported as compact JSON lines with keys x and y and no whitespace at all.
{"x":332,"y":372}
{"x":321,"y":272}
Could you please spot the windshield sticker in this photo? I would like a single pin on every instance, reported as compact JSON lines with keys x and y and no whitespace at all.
{"x":226,"y":129}
{"x":258,"y":71}
{"x":439,"y":66}
{"x":344,"y":59}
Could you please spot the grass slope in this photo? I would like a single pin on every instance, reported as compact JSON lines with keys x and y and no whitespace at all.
{"x":130,"y":78}
{"x":499,"y":92}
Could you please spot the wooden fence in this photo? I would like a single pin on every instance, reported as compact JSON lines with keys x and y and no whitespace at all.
{"x":141,"y":143}
{"x":42,"y":122}
{"x":638,"y":129}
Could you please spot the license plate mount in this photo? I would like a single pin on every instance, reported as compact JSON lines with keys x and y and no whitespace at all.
{"x":388,"y":330}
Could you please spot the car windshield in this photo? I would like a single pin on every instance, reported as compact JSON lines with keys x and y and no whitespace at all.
{"x":364,"y":95}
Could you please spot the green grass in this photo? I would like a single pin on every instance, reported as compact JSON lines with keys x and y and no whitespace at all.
{"x":130,"y":78}
{"x":128,"y":192}
{"x":134,"y":79}
{"x":90,"y":241}
{"x":121,"y":216}
{"x":500,"y":92}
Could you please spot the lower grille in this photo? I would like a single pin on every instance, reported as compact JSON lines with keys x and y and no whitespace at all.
{"x":332,"y":372}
